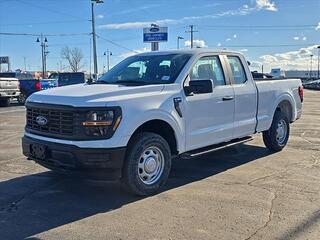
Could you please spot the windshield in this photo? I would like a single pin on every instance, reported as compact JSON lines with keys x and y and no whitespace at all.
{"x":8,"y":75}
{"x":141,"y":70}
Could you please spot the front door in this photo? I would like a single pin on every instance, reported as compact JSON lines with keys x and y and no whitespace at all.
{"x":209,"y":116}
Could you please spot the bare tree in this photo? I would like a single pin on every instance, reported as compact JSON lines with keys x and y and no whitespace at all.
{"x":74,"y":56}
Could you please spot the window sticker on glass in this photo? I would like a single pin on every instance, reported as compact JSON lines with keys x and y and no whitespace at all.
{"x":165,"y":78}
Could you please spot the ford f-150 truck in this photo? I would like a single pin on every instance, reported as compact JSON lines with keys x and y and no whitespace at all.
{"x":152,"y":107}
{"x":9,"y":88}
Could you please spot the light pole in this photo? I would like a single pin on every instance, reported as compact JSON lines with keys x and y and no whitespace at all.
{"x":178,"y":41}
{"x":311,"y":56}
{"x":318,"y":62}
{"x":43,"y":43}
{"x":108,"y":54}
{"x":95,"y":59}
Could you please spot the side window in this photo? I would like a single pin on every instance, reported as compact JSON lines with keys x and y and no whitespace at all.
{"x":239,"y":75}
{"x":208,"y":68}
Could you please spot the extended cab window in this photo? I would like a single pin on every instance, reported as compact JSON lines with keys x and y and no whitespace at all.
{"x":238,"y":73}
{"x":207,"y":68}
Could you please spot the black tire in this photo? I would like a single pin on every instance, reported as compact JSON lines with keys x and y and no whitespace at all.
{"x":270,"y":138}
{"x":131,"y":173}
{"x":22,"y":98}
{"x":4,"y":102}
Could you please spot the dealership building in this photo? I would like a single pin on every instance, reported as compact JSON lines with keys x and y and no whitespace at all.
{"x":302,"y":74}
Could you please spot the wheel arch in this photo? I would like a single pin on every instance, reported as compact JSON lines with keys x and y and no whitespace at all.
{"x":285,"y":104}
{"x":161,"y":127}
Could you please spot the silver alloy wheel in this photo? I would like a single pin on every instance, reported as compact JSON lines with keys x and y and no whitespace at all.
{"x":151,"y":165}
{"x":282,"y":131}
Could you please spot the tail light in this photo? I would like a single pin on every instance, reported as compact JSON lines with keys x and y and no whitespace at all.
{"x":38,"y":86}
{"x":301,"y":93}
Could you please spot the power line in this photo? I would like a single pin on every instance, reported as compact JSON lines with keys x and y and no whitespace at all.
{"x":260,"y":26}
{"x":49,"y":9}
{"x":43,"y":23}
{"x":269,"y":45}
{"x":116,"y":44}
{"x":46,"y":35}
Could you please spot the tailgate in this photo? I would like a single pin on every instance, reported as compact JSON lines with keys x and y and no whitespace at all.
{"x":46,"y":83}
{"x":9,"y":84}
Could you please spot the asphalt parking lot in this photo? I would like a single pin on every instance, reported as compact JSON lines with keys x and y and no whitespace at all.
{"x":242,"y":192}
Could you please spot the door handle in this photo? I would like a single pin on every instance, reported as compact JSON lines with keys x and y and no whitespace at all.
{"x":227,"y":98}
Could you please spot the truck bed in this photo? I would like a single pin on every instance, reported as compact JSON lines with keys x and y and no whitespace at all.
{"x":271,"y":91}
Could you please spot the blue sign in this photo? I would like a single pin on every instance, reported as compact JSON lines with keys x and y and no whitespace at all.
{"x":155,"y":34}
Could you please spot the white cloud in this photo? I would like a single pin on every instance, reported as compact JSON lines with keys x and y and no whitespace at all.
{"x":131,"y":25}
{"x":318,"y":27}
{"x":219,"y":44}
{"x":304,"y":38}
{"x":228,"y":39}
{"x":241,"y":11}
{"x":128,"y":54}
{"x":296,"y":38}
{"x":196,"y":43}
{"x":267,"y":5}
{"x":235,"y":36}
{"x":291,"y":60}
{"x":244,"y":50}
{"x":100,"y":16}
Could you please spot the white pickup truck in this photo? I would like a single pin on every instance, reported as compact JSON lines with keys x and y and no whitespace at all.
{"x":9,"y":88}
{"x":152,"y":107}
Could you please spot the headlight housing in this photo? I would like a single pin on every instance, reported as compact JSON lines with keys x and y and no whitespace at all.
{"x":101,"y":123}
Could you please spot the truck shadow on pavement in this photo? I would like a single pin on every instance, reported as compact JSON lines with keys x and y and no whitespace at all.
{"x":33,"y":204}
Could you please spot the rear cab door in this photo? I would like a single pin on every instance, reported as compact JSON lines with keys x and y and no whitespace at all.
{"x":209,"y":117}
{"x":245,"y":92}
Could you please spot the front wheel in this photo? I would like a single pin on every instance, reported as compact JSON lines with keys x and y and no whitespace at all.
{"x":22,"y":98}
{"x":147,"y":165}
{"x":277,"y":136}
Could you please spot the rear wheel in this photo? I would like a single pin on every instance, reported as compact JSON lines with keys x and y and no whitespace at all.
{"x":147,"y":165}
{"x":4,"y":102}
{"x":277,"y":136}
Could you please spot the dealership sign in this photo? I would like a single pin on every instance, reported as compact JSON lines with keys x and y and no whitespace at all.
{"x":155,"y":34}
{"x":4,"y":60}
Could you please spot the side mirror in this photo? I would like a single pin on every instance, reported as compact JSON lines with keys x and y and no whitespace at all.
{"x":199,"y":87}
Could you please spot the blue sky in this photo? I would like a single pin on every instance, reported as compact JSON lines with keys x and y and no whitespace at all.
{"x":278,"y":33}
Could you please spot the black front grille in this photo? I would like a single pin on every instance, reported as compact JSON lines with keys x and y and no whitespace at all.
{"x":59,"y":122}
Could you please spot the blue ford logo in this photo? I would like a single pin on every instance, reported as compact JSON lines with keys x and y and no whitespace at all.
{"x":41,"y":120}
{"x":154,"y":29}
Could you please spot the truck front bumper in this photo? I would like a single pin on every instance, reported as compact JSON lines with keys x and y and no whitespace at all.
{"x":9,"y":93}
{"x":97,"y":163}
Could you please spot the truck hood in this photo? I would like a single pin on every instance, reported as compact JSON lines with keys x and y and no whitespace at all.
{"x":85,"y":95}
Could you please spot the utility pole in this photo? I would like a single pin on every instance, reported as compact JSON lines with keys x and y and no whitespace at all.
{"x":191,"y":31}
{"x":108,"y":54}
{"x":311,"y":56}
{"x":318,"y":62}
{"x":43,"y":43}
{"x":25,"y":65}
{"x":178,"y":41}
{"x":95,"y":59}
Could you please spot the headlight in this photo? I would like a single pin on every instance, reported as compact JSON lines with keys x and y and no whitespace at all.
{"x":100,"y":123}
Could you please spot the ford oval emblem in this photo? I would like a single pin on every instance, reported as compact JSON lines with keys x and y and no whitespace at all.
{"x":154,"y":29}
{"x":42,"y":121}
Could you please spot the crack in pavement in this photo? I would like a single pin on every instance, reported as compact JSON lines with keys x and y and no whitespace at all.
{"x":269,"y":215}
